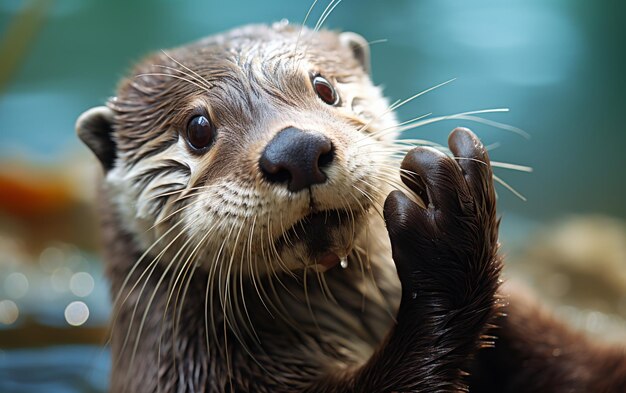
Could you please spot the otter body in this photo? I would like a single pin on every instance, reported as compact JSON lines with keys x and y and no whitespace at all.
{"x":264,"y":232}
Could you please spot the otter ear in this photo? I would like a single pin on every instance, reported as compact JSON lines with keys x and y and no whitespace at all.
{"x":359,"y":46}
{"x":94,"y":128}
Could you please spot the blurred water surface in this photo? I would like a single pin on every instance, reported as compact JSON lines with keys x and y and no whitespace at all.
{"x":558,"y":65}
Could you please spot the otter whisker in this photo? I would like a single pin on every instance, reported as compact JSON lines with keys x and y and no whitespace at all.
{"x":151,"y":267}
{"x":178,"y":304}
{"x":116,"y":300}
{"x":226,"y":293}
{"x":181,"y":73}
{"x":325,"y":289}
{"x":347,"y":207}
{"x":398,"y":104}
{"x":258,"y":286}
{"x":251,"y":272}
{"x":195,"y":77}
{"x":394,"y":184}
{"x":495,"y":124}
{"x":186,"y":266}
{"x":181,"y":295}
{"x":152,"y":297}
{"x":379,"y":41}
{"x":498,"y":164}
{"x":411,"y":142}
{"x":248,"y":249}
{"x":329,"y":9}
{"x":366,"y":195}
{"x":164,"y":194}
{"x":514,"y":167}
{"x":219,"y":275}
{"x":364,"y":212}
{"x":493,"y":146}
{"x":265,"y":253}
{"x":306,"y":17}
{"x":209,"y":303}
{"x":163,"y":220}
{"x":183,"y":269}
{"x":364,"y":277}
{"x":307,"y":299}
{"x":373,"y":134}
{"x":198,"y":191}
{"x":466,"y":116}
{"x":172,"y":76}
{"x":208,"y":84}
{"x":510,"y":188}
{"x":284,"y":230}
{"x":469,"y":115}
{"x":275,"y":277}
{"x":369,"y":269}
{"x":281,"y":263}
{"x":169,"y":193}
{"x":400,"y":146}
{"x":287,"y":240}
{"x":155,"y":260}
{"x":233,"y":306}
{"x":374,"y":200}
{"x":280,"y":310}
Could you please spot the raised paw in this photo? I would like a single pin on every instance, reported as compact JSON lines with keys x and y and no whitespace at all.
{"x":449,"y":248}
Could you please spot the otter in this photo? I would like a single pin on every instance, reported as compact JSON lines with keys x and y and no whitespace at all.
{"x":265,"y":232}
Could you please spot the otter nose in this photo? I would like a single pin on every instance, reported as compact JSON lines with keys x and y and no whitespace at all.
{"x":297,"y":158}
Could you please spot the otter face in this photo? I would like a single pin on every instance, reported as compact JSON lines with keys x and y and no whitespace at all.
{"x":260,"y":149}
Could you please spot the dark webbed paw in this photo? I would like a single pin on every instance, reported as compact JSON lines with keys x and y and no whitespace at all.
{"x":446,"y":253}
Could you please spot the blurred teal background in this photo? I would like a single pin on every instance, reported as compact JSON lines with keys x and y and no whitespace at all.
{"x":559,"y":65}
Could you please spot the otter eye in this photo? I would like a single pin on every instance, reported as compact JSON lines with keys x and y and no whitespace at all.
{"x":200,"y":132}
{"x":325,"y":90}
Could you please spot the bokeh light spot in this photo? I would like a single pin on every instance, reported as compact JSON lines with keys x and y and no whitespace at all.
{"x":9,"y":312}
{"x":16,"y":285}
{"x":82,"y":284}
{"x":60,"y":279}
{"x":76,"y":313}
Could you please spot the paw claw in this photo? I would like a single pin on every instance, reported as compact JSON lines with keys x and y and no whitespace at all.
{"x":465,"y":144}
{"x":473,"y":159}
{"x":434,"y":177}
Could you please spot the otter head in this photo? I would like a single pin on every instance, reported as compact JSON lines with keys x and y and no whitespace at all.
{"x":263,"y":148}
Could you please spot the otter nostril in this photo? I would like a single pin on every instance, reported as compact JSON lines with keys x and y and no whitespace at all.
{"x":297,"y":158}
{"x":326,"y":158}
{"x":280,"y":175}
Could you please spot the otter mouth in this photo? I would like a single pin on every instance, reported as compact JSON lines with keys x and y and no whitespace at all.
{"x":327,"y":236}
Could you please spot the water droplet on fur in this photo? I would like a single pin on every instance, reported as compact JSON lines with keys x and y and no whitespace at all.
{"x":344,"y":262}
